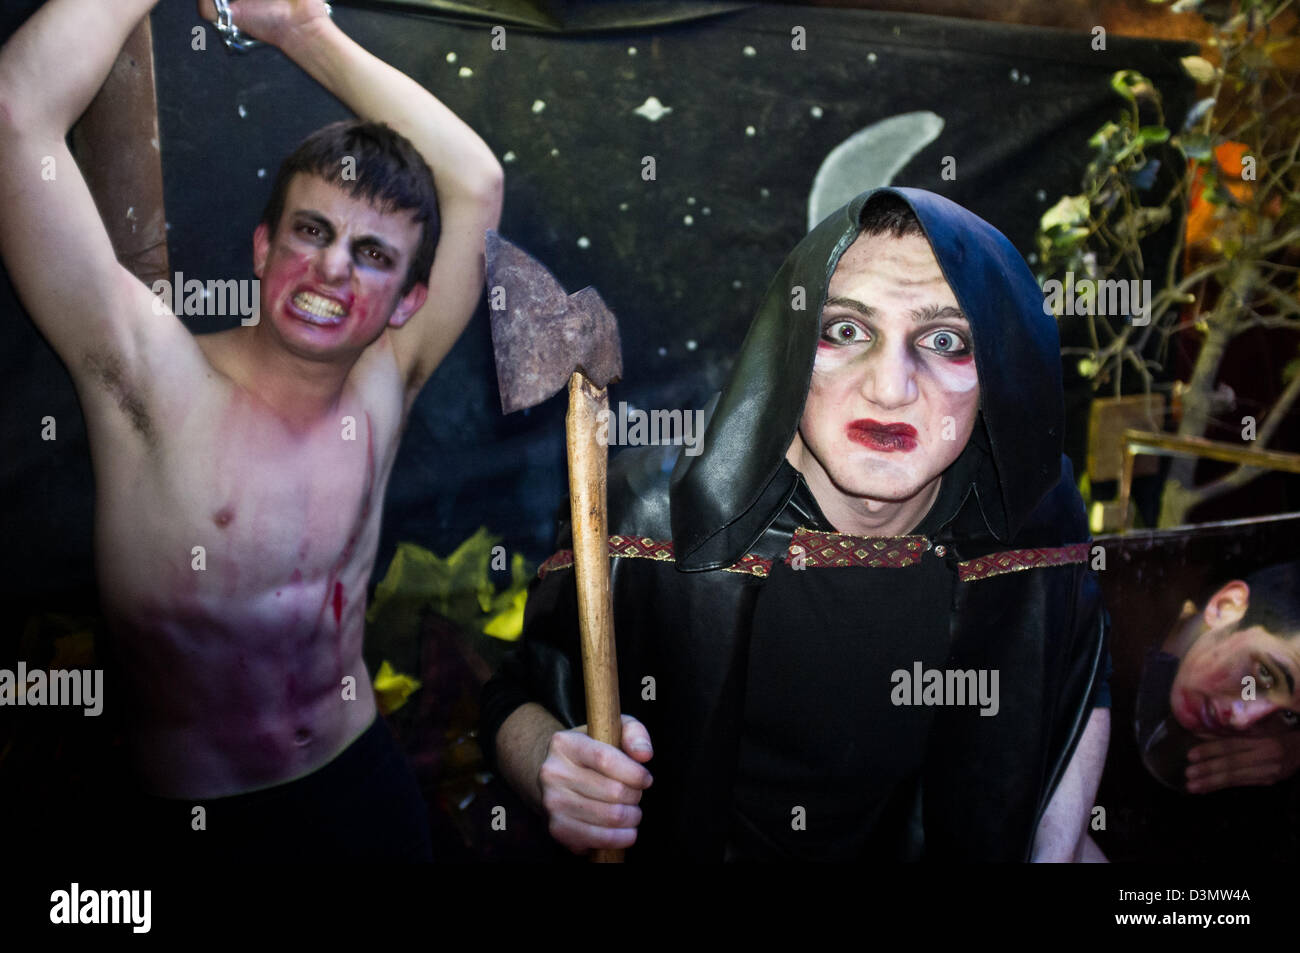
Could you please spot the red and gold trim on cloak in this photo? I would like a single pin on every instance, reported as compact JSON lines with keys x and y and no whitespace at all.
{"x":819,"y":550}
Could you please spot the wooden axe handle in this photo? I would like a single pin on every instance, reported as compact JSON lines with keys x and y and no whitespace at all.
{"x":588,"y":458}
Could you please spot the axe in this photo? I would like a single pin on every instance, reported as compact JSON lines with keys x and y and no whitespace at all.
{"x":542,"y":338}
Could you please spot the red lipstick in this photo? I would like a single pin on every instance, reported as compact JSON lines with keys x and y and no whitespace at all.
{"x":886,"y":438}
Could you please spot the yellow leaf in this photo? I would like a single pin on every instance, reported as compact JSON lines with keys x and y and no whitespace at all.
{"x":508,"y":624}
{"x":392,"y":688}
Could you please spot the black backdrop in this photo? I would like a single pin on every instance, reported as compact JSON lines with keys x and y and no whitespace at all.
{"x":1017,"y":106}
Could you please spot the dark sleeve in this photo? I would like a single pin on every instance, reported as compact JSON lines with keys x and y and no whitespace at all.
{"x":546,"y":665}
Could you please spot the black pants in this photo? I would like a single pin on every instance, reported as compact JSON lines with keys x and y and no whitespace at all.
{"x":363,"y":805}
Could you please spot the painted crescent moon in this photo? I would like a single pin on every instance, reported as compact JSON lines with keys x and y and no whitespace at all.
{"x":869,"y":159}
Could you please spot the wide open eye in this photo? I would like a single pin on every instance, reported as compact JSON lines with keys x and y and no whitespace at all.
{"x":843,"y":332}
{"x":946,"y":341}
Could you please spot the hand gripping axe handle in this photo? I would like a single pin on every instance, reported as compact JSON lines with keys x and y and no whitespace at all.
{"x":541,"y":338}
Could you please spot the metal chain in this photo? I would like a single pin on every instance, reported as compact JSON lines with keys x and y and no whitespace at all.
{"x":230,"y":34}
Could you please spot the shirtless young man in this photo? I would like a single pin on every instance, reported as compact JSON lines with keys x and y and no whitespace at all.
{"x":269,"y":446}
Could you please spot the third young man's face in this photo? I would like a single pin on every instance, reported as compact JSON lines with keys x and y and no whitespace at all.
{"x":1235,"y":681}
{"x":894,"y":391}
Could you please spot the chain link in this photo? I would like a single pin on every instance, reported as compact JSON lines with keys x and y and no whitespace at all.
{"x":230,"y":34}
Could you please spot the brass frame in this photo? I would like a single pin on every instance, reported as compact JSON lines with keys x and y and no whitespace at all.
{"x":1171,"y":445}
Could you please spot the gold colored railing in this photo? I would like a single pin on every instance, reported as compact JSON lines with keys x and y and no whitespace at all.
{"x":1138,"y":442}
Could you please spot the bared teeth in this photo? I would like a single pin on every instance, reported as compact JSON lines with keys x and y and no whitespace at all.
{"x":317,"y":305}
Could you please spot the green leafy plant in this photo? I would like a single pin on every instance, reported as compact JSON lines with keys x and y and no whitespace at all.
{"x":1230,"y":193}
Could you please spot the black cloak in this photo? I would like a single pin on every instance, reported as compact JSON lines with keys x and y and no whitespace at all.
{"x":690,"y":553}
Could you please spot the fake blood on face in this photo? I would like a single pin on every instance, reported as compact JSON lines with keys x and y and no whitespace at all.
{"x":292,"y":271}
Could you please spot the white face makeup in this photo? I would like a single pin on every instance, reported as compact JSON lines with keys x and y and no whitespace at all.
{"x":894,"y":390}
{"x":955,"y":379}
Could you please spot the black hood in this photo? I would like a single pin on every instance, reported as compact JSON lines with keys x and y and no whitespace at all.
{"x":723,"y":499}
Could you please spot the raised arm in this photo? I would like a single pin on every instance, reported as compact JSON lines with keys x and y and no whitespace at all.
{"x":93,"y":311}
{"x":466,"y":174}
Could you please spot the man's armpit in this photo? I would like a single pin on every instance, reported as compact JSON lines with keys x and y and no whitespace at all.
{"x":106,"y":372}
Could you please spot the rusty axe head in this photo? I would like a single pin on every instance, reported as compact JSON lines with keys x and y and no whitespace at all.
{"x":541,"y":335}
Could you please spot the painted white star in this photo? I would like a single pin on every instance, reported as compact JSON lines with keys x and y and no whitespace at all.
{"x":653,"y":109}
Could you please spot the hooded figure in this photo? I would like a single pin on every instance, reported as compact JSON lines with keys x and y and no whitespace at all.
{"x":816,"y":694}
